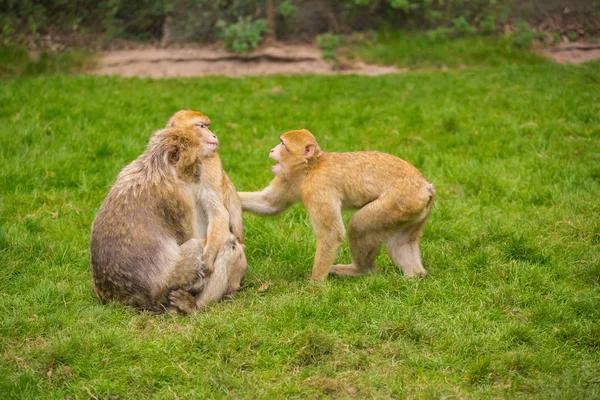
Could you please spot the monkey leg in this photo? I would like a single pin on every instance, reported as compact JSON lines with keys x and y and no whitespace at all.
{"x":189,"y":268}
{"x":329,"y":228}
{"x":364,"y":247}
{"x":237,"y":269}
{"x":369,"y":227}
{"x":404,"y":248}
{"x":187,"y":275}
{"x":219,"y":282}
{"x":218,"y":233}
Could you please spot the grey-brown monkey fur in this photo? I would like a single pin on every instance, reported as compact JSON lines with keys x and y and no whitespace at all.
{"x":145,"y":249}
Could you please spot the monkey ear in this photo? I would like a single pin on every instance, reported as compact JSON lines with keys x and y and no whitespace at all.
{"x":309,"y":150}
{"x":173,"y":154}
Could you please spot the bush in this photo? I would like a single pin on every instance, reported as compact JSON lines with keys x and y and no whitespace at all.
{"x":460,"y":14}
{"x":243,"y":35}
{"x":138,"y":20}
{"x":439,"y":34}
{"x":488,"y":25}
{"x":287,"y":8}
{"x":462,"y":27}
{"x":523,"y":36}
{"x":196,"y":19}
{"x":328,"y":44}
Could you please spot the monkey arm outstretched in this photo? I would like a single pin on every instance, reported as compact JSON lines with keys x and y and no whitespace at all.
{"x":272,"y":200}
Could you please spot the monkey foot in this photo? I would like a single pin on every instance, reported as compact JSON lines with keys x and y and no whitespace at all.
{"x":348,"y":270}
{"x":182,"y":300}
{"x":231,"y":242}
{"x":415,"y":273}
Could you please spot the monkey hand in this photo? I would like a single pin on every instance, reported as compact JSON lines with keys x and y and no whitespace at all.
{"x":182,"y":301}
{"x":209,"y":260}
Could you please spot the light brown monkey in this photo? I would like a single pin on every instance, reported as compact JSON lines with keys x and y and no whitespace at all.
{"x":219,"y":213}
{"x":230,"y":267}
{"x":392,"y":197}
{"x":144,"y":240}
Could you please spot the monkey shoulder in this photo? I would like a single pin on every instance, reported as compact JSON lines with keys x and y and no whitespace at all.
{"x":227,"y":186}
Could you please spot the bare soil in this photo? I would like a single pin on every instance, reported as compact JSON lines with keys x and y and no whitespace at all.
{"x":212,"y":60}
{"x":574,"y":53}
{"x":278,"y":58}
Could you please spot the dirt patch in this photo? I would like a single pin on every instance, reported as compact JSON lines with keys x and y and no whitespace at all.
{"x":574,"y":53}
{"x":281,"y":59}
{"x":203,"y":61}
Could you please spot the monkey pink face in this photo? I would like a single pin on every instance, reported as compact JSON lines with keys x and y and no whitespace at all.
{"x":208,"y":140}
{"x":295,"y":150}
{"x":276,"y":154}
{"x":200,"y":124}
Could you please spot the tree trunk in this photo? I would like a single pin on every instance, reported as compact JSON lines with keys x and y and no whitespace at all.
{"x":167,"y":35}
{"x":270,"y":20}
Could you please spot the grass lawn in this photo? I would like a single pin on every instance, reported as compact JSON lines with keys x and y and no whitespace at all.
{"x":511,"y":307}
{"x":418,"y":50}
{"x":16,"y":62}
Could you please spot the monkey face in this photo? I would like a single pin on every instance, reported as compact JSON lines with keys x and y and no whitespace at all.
{"x":296,"y":149}
{"x":276,"y":154}
{"x":200,"y":123}
{"x":208,"y":140}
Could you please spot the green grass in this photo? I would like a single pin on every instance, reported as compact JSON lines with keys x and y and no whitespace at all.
{"x":16,"y":62}
{"x":511,"y":308}
{"x":418,"y":50}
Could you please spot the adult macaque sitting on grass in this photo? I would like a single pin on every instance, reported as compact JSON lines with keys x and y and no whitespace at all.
{"x":146,"y":242}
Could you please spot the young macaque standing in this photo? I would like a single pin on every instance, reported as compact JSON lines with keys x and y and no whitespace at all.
{"x":392,"y":197}
{"x":219,"y":212}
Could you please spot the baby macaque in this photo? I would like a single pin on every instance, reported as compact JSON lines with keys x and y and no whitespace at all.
{"x":392,"y":197}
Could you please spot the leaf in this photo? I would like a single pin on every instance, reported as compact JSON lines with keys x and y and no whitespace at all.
{"x":264,"y":287}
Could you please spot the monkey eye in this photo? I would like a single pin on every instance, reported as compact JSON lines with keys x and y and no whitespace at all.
{"x":201,"y":125}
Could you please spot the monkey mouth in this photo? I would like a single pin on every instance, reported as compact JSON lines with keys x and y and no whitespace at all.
{"x":210,"y":145}
{"x":276,"y":166}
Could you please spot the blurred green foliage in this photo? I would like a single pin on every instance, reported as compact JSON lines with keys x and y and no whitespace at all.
{"x":431,"y":13}
{"x":328,"y":43}
{"x":16,"y":62}
{"x":116,"y":18}
{"x":145,"y":19}
{"x":243,"y":35}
